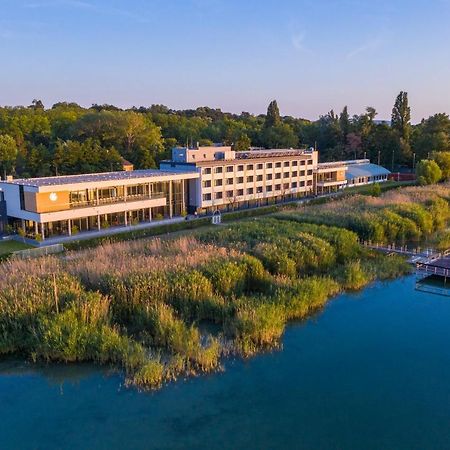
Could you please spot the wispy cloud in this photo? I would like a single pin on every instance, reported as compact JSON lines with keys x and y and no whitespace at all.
{"x":298,"y":41}
{"x":370,"y":45}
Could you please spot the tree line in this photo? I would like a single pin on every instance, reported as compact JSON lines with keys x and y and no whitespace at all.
{"x":70,"y":139}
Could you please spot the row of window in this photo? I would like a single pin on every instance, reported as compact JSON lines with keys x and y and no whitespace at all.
{"x":231,"y":194}
{"x":251,"y":178}
{"x":240,"y":167}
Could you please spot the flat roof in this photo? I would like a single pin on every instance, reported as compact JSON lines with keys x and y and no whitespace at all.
{"x":94,"y":177}
{"x":267,"y":153}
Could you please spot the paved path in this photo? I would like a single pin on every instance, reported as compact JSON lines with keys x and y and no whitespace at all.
{"x":108,"y":231}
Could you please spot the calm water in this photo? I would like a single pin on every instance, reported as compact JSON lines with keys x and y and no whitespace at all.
{"x":371,"y":371}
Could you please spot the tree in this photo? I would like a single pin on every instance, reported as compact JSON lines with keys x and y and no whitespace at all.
{"x":401,"y":116}
{"x":273,"y":115}
{"x":442,"y":159}
{"x":428,"y":172}
{"x":37,"y":104}
{"x":8,"y":154}
{"x":344,"y":124}
{"x":243,"y":143}
{"x":280,"y":136}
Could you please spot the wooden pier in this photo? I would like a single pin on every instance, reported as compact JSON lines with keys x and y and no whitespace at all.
{"x":432,"y":267}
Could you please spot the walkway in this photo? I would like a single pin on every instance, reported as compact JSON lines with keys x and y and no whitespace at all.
{"x":108,"y":232}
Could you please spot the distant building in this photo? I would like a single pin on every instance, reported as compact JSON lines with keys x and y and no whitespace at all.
{"x":126,"y":165}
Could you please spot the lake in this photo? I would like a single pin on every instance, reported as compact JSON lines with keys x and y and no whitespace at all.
{"x":371,"y":371}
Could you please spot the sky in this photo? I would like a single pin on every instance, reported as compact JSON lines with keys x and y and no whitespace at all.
{"x":237,"y":55}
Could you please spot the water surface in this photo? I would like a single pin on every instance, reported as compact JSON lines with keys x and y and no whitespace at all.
{"x":372,"y":371}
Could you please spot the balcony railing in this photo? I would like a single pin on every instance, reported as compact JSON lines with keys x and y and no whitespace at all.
{"x":118,"y":199}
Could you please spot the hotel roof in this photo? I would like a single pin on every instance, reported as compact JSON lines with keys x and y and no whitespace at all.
{"x":365,"y":170}
{"x":270,"y":153}
{"x":94,"y":177}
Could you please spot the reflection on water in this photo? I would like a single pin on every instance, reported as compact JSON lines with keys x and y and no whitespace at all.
{"x":371,"y":371}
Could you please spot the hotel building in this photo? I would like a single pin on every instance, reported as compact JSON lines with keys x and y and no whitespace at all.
{"x":229,"y":179}
{"x":202,"y":180}
{"x":69,"y":204}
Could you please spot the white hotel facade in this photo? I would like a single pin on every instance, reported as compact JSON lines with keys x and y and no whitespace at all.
{"x":202,"y":180}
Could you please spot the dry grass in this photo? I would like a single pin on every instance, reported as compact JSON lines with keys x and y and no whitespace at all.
{"x":118,"y":259}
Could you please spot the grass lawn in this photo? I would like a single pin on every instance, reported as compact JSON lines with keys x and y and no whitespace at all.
{"x":12,"y":246}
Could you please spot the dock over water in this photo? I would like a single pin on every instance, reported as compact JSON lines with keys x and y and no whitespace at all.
{"x":433,"y":274}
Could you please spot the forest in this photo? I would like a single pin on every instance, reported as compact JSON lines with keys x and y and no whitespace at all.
{"x":69,"y":139}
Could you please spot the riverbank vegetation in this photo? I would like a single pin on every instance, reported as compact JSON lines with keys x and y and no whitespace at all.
{"x":159,"y":310}
{"x":404,"y":216}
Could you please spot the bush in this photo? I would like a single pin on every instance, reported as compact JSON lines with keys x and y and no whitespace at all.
{"x":428,"y":172}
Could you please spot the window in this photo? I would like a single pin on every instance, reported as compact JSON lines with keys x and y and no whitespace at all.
{"x":240,"y":180}
{"x":240,"y":168}
{"x":230,"y":194}
{"x":230,"y":180}
{"x":269,"y":188}
{"x":302,"y":162}
{"x":294,"y":185}
{"x":302,"y":183}
{"x":302,"y":173}
{"x":240,"y":192}
{"x":286,"y":164}
{"x":269,"y":176}
{"x":294,"y":163}
{"x":278,"y":176}
{"x":278,"y":164}
{"x":207,"y":183}
{"x":259,"y":166}
{"x":269,"y":165}
{"x":286,"y":186}
{"x":249,"y":179}
{"x":218,"y":195}
{"x":249,"y":191}
{"x":249,"y":166}
{"x":310,"y":172}
{"x":218,"y":182}
{"x":309,"y":182}
{"x":218,"y":170}
{"x":207,"y":170}
{"x":206,"y":197}
{"x":259,"y":178}
{"x":259,"y":189}
{"x":278,"y":187}
{"x":295,"y":173}
{"x":309,"y":161}
{"x":286,"y":175}
{"x":230,"y":169}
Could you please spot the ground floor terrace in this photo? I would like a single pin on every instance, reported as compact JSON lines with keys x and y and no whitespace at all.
{"x":235,"y":204}
{"x":43,"y":230}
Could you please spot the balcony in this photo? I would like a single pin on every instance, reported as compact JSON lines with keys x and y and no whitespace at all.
{"x":114,"y":200}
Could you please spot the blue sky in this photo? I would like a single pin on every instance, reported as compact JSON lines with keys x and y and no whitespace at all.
{"x":237,"y":55}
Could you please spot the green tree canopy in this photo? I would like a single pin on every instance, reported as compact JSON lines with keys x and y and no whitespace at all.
{"x":8,"y":154}
{"x":442,"y":159}
{"x":401,"y":116}
{"x":428,"y":172}
{"x":273,"y":115}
